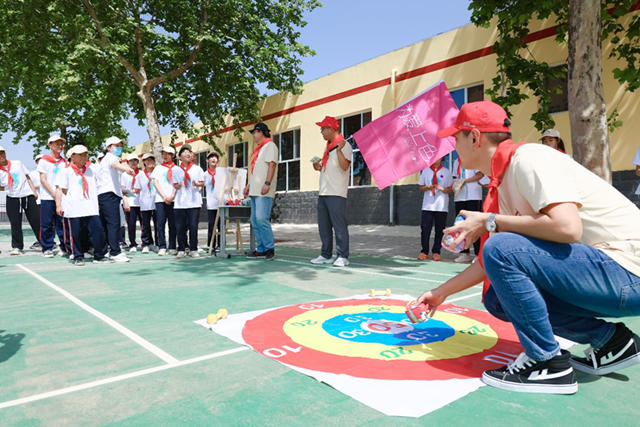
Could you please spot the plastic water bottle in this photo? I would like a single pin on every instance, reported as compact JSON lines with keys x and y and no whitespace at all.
{"x":449,"y":238}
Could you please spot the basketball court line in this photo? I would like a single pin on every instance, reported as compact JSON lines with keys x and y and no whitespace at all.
{"x":118,"y":378}
{"x":158,"y":352}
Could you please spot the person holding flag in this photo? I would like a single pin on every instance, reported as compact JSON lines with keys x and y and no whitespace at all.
{"x":435,"y":182}
{"x":162,"y":178}
{"x":561,"y":250}
{"x":146,"y":191}
{"x":332,"y":195}
{"x":131,"y":201}
{"x":189,"y":180}
{"x":263,"y":175}
{"x":212,"y":200}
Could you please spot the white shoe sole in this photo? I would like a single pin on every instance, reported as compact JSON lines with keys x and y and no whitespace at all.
{"x":629,"y":361}
{"x":530,"y":388}
{"x":329,"y":261}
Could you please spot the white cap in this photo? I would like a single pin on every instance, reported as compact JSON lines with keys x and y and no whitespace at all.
{"x":54,"y":138}
{"x":1,"y":148}
{"x":146,"y":156}
{"x":38,"y":157}
{"x":551,"y":132}
{"x":112,"y":140}
{"x":169,"y":149}
{"x":101,"y":155}
{"x":132,"y":156}
{"x":77,"y":149}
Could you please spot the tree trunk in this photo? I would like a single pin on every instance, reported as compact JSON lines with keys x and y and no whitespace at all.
{"x":153,"y":129}
{"x":587,"y":109}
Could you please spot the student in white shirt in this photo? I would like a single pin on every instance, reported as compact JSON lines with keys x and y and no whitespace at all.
{"x":468,"y":198}
{"x":146,"y":191}
{"x":131,"y":201}
{"x":48,"y":167}
{"x":165,"y":194}
{"x":20,"y":197}
{"x":78,"y":185}
{"x":110,"y":195}
{"x":636,"y":162}
{"x":189,"y":180}
{"x":435,"y":182}
{"x":212,"y":200}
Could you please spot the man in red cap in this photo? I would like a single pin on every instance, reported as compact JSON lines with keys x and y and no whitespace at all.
{"x":564,"y":251}
{"x":332,"y":197}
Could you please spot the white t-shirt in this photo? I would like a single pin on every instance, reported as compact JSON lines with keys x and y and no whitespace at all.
{"x":107,"y":177}
{"x":75,"y":204}
{"x":35,"y":179}
{"x":20,"y":187}
{"x":147,"y":195}
{"x":539,"y":176}
{"x":50,"y":171}
{"x":636,"y":161}
{"x":471,"y":190}
{"x":334,"y":181}
{"x":126,"y":181}
{"x":212,"y":201}
{"x":160,"y":174}
{"x":188,"y":195}
{"x":3,"y":179}
{"x":439,"y":201}
{"x":268,"y":153}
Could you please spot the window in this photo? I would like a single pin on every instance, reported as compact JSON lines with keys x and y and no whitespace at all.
{"x":289,"y":165}
{"x":201,"y":160}
{"x":557,"y":88}
{"x":360,"y":174}
{"x":460,"y":97}
{"x":241,"y":150}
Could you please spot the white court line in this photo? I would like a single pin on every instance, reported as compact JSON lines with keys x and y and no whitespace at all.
{"x":389,"y":267}
{"x":375,"y":273}
{"x":117,"y":378}
{"x":166,"y":357}
{"x":463,"y":297}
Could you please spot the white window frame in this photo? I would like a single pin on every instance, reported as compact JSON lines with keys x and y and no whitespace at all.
{"x":230,"y":151}
{"x":296,"y":157}
{"x":356,"y":149}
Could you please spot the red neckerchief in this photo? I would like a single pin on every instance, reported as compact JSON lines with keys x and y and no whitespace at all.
{"x":256,"y":152}
{"x":49,"y":158}
{"x":148,"y":179}
{"x":85,"y":184}
{"x":7,"y":169}
{"x":170,"y":166}
{"x":187,"y":178}
{"x":460,"y":169}
{"x":213,"y":176}
{"x":499,"y":164}
{"x":561,"y":150}
{"x":434,"y":180}
{"x":134,"y":177}
{"x":330,"y":146}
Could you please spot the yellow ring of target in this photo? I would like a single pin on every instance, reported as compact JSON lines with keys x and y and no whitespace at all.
{"x":303,"y":331}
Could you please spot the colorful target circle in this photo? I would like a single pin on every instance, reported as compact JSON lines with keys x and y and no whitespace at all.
{"x":372,"y":338}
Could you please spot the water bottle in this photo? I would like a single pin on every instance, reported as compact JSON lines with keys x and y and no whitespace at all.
{"x":449,"y":238}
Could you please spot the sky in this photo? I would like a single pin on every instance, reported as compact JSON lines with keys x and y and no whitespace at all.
{"x":343,"y":33}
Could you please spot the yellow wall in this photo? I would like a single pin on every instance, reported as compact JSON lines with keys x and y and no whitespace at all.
{"x":380,"y":100}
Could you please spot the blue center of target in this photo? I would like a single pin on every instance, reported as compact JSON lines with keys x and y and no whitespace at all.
{"x":386,"y":328}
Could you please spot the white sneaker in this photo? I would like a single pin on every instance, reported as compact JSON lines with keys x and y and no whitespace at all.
{"x":162,"y":252}
{"x":71,"y":257}
{"x":48,"y":254}
{"x":321,"y":260}
{"x":194,"y":254}
{"x":341,"y":262}
{"x":88,"y":255}
{"x":133,"y":249}
{"x":121,"y":257}
{"x":172,"y":251}
{"x":180,"y":254}
{"x":15,"y":251}
{"x":145,"y":250}
{"x":463,"y":258}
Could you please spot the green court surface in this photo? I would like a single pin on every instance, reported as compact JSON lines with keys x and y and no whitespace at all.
{"x":138,"y":358}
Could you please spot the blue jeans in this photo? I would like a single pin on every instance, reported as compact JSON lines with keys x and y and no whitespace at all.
{"x":260,"y":214}
{"x":332,"y":218}
{"x":544,"y":288}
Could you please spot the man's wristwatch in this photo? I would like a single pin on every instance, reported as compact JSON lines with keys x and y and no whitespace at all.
{"x":490,"y":225}
{"x":267,"y":183}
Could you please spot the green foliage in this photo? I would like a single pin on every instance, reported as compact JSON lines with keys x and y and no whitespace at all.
{"x":83,"y":65}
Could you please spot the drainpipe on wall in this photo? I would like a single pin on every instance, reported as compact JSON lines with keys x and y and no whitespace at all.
{"x":394,"y":95}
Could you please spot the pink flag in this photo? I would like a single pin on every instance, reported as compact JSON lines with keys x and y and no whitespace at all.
{"x":404,"y":140}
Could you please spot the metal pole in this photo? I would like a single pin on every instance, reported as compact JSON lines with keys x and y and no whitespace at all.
{"x":394,"y":95}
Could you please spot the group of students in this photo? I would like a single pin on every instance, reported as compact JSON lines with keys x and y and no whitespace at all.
{"x":86,"y":204}
{"x":437,"y":182}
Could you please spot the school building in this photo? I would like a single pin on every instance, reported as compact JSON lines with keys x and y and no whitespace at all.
{"x":464,"y":59}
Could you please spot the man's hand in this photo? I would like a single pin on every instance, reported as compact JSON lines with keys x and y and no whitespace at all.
{"x":470,"y":229}
{"x":317,"y":166}
{"x":265,"y":189}
{"x":341,"y":144}
{"x":431,"y":299}
{"x":177,"y":185}
{"x":168,"y":200}
{"x":245,"y":192}
{"x":59,"y":210}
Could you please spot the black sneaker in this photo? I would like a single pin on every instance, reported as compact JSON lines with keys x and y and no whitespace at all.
{"x":270,"y":254}
{"x":554,"y":376}
{"x":255,"y":255}
{"x":621,"y":351}
{"x":78,"y":262}
{"x":36,"y":245}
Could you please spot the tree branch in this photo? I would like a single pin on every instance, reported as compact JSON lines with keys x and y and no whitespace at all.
{"x":190,"y":59}
{"x":105,"y":43}
{"x":138,"y":34}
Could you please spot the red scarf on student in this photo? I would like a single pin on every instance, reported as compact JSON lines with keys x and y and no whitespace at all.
{"x":256,"y":152}
{"x":148,"y":179}
{"x":434,"y":180}
{"x":213,"y":176}
{"x":330,"y":146}
{"x":133,"y":183}
{"x":169,"y":165}
{"x":85,"y":184}
{"x":49,"y":158}
{"x":499,"y":164}
{"x":7,"y":169}
{"x":460,"y":169}
{"x":187,"y":178}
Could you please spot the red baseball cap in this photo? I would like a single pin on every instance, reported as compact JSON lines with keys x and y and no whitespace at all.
{"x":486,"y":116}
{"x":329,"y":122}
